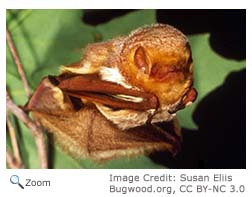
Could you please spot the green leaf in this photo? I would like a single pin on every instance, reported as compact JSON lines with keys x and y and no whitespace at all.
{"x":46,"y":39}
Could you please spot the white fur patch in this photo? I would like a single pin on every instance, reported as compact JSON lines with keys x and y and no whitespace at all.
{"x":113,"y":75}
{"x":129,"y":98}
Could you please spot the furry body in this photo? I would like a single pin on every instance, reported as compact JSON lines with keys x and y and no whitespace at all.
{"x":106,"y":105}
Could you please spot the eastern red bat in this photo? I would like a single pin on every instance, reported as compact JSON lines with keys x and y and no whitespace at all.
{"x":110,"y":103}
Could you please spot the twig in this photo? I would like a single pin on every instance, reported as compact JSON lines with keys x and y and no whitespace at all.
{"x":18,"y":62}
{"x":11,"y":162}
{"x":36,"y":131}
{"x":14,"y":142}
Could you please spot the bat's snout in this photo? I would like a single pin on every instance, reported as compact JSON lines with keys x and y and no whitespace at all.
{"x":189,"y":97}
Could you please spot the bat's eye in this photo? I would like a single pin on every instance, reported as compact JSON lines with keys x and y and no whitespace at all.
{"x":159,"y":71}
{"x":142,"y":60}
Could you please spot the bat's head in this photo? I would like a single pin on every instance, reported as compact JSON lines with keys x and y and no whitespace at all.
{"x":158,"y":60}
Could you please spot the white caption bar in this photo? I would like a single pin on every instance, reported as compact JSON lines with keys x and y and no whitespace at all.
{"x":163,"y":182}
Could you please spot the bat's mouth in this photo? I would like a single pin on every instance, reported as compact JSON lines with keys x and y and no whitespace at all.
{"x":187,"y":99}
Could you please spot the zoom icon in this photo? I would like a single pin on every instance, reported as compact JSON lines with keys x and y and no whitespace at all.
{"x":14,"y":179}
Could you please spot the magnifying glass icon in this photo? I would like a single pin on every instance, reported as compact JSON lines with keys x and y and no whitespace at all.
{"x":14,"y":179}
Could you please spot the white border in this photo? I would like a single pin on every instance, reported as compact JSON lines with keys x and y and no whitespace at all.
{"x":3,"y":88}
{"x":95,"y":181}
{"x":124,"y":4}
{"x":248,"y":89}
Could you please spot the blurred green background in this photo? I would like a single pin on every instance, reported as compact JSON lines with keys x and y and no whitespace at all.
{"x":213,"y":127}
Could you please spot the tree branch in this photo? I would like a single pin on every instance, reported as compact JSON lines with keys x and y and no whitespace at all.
{"x":11,"y":161}
{"x":14,"y":143}
{"x":36,"y":131}
{"x":17,"y":62}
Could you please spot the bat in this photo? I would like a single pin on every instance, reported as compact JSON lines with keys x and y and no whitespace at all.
{"x":121,"y":98}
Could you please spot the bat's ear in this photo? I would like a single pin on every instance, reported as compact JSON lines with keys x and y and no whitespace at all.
{"x":142,"y":60}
